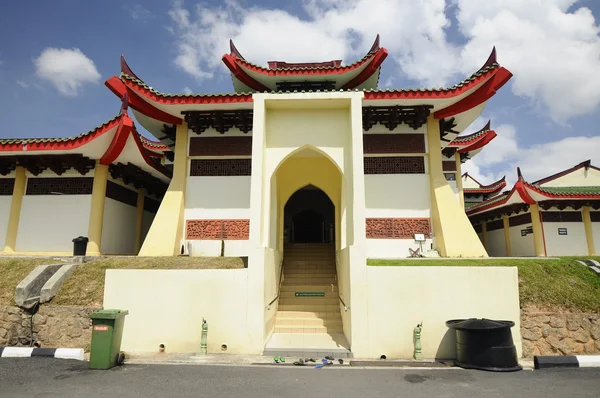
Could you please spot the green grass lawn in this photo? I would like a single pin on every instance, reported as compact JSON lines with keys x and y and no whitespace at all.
{"x":86,"y":285}
{"x":13,"y":271}
{"x":546,"y":285}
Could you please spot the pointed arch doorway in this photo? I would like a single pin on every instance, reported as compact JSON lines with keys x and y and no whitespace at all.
{"x":309,"y":217}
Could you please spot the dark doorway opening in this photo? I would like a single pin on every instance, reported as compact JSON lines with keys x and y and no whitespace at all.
{"x":309,"y":217}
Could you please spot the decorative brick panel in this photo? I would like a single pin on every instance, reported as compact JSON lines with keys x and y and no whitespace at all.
{"x":151,"y":205}
{"x":397,"y":228}
{"x":57,"y":185}
{"x":220,"y":167}
{"x":562,"y":216}
{"x":7,"y":186}
{"x":520,"y":220}
{"x":220,"y":146}
{"x":217,"y":229}
{"x":393,"y":143}
{"x":395,"y":165}
{"x":495,"y":225}
{"x":121,"y":194}
{"x":449,"y":166}
{"x":595,"y":216}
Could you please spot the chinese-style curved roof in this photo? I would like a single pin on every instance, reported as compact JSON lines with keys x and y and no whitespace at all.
{"x":257,"y":78}
{"x":470,"y":145}
{"x":494,"y":187}
{"x":154,"y":146}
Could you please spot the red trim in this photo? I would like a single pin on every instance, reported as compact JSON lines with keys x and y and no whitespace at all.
{"x":485,"y":205}
{"x":434,"y":94}
{"x":187,"y":99}
{"x":241,"y":75}
{"x":72,"y":143}
{"x":485,"y":92}
{"x":118,"y":142}
{"x":229,"y":60}
{"x":154,"y":146}
{"x":520,"y":187}
{"x":369,"y":70}
{"x":480,"y":143}
{"x":158,"y":167}
{"x":117,"y":86}
{"x":559,"y":195}
{"x":485,"y":190}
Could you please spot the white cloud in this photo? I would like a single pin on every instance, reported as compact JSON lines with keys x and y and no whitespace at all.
{"x":551,"y":46}
{"x":140,"y":13}
{"x":66,"y":69}
{"x":22,"y":84}
{"x":187,"y":90}
{"x":553,"y":52}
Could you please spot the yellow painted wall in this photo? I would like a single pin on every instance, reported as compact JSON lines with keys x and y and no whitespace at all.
{"x":166,"y":232}
{"x":453,"y":232}
{"x":578,"y":178}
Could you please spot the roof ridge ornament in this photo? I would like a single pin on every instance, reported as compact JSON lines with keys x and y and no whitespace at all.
{"x":491,"y":59}
{"x":519,"y":174}
{"x":234,"y":51}
{"x":375,"y":45}
{"x":124,"y":105}
{"x":127,"y":70}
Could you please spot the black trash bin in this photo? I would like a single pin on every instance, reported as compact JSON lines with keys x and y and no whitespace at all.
{"x":485,"y":344}
{"x":80,"y":246}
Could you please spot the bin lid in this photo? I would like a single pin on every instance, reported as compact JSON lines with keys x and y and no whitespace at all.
{"x":478,"y":324}
{"x":108,"y":314}
{"x":81,"y":239}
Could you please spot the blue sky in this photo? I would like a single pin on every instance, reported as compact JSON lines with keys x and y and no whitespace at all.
{"x":55,"y":57}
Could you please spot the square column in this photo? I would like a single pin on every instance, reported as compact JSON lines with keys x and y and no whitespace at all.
{"x":484,"y":235}
{"x":165,"y":234}
{"x":589,"y":233}
{"x":97,"y":209}
{"x":506,"y":225}
{"x":458,"y":178}
{"x":538,"y":231}
{"x":453,"y":232}
{"x":15,"y":210}
{"x":139,"y":222}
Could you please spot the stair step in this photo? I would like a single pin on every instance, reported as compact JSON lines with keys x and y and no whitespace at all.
{"x":310,"y":322}
{"x":308,"y":281}
{"x":281,"y":314}
{"x":307,"y":300}
{"x":308,"y":288}
{"x":310,"y":307}
{"x":292,"y":294}
{"x":303,"y":329}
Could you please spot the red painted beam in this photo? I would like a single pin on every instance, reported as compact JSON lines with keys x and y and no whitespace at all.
{"x":118,"y":142}
{"x":230,"y":61}
{"x":117,"y":86}
{"x":482,"y":94}
{"x":369,"y":70}
{"x":490,"y":135}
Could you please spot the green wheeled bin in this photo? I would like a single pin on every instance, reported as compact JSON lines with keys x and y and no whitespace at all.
{"x":107,"y":330}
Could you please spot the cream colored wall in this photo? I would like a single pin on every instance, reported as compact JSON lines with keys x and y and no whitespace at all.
{"x":572,"y":244}
{"x":344,"y":290}
{"x":48,"y":223}
{"x":118,"y":228}
{"x":218,"y":198}
{"x":596,"y":232}
{"x":496,"y":244}
{"x":578,"y":178}
{"x":167,"y":307}
{"x":521,"y":246}
{"x":401,"y":297}
{"x":393,"y":248}
{"x":5,"y":202}
{"x":273,"y":264}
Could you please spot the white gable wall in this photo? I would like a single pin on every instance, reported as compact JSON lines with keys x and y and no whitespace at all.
{"x":577,"y":178}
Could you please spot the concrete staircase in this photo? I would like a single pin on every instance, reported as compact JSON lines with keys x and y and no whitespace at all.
{"x":308,"y":321}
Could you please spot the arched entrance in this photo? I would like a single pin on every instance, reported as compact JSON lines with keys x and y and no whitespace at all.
{"x":309,"y":217}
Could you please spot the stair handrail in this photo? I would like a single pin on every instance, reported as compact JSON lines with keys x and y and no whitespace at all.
{"x":278,"y":288}
{"x":337,"y":264}
{"x":346,"y":308}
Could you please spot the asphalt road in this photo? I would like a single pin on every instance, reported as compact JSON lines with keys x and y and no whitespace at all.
{"x":45,"y":377}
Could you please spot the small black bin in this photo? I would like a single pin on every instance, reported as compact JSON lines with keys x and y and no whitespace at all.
{"x":80,"y":246}
{"x":485,"y":344}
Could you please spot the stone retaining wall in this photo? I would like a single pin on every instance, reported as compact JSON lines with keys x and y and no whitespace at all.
{"x":53,"y":326}
{"x":560,"y":334}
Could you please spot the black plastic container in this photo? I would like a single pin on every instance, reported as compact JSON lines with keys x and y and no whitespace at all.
{"x":80,"y":246}
{"x":485,"y":344}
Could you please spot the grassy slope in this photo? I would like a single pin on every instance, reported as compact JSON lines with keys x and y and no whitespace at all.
{"x":86,"y":285}
{"x":13,"y":271}
{"x":554,"y":285}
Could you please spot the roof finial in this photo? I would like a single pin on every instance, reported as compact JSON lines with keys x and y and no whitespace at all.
{"x":491,"y":59}
{"x":126,"y":69}
{"x":234,"y":51}
{"x":375,"y":45}
{"x":587,"y":163}
{"x":519,"y":174}
{"x":124,"y":105}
